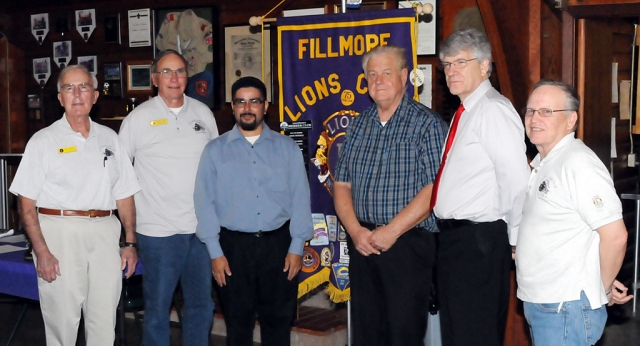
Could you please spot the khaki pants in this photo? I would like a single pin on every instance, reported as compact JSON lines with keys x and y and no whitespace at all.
{"x":90,"y":283}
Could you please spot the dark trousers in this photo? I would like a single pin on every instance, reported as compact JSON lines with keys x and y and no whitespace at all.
{"x":258,"y":284}
{"x":474,"y":263}
{"x":390,"y":291}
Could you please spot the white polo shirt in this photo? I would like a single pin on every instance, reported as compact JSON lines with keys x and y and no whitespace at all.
{"x":570,"y":195}
{"x":60,"y":169}
{"x":166,"y":149}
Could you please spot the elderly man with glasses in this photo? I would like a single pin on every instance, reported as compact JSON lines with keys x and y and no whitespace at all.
{"x":254,"y":213}
{"x":477,"y":197}
{"x":72,"y":177}
{"x":572,"y":238}
{"x":164,"y":138}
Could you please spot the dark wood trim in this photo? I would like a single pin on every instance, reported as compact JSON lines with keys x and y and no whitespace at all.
{"x":498,"y":52}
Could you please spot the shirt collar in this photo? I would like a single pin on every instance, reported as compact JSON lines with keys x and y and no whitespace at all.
{"x":475,"y":96}
{"x":396,"y":114}
{"x":63,"y":124}
{"x":538,"y":162}
{"x":185,"y":104}
{"x":235,"y":133}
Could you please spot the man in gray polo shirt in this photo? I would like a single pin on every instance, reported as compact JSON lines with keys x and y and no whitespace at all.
{"x":165,"y":137}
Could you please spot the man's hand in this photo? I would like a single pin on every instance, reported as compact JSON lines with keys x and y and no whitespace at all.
{"x":362,"y":243}
{"x":383,"y":238}
{"x":47,"y":267}
{"x":292,"y":263}
{"x":129,"y":260}
{"x":220,"y":267}
{"x":618,"y":294}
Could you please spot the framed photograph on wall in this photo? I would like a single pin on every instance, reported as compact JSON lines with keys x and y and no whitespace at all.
{"x":191,"y":32}
{"x":139,"y":77}
{"x":369,"y":6}
{"x":243,"y":48}
{"x":112,"y":86}
{"x":427,"y":29}
{"x":112,"y":29}
{"x":90,"y":62}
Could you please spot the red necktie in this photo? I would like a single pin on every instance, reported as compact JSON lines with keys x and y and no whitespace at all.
{"x":447,"y":147}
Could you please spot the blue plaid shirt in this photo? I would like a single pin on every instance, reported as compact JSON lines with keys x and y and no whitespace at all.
{"x":388,"y":165}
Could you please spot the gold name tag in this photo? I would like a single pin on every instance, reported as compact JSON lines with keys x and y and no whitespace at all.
{"x":67,"y":150}
{"x":159,"y":122}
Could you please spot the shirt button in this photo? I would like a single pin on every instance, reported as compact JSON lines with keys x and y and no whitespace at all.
{"x":258,"y":213}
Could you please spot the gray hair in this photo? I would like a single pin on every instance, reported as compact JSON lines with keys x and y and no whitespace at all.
{"x":164,"y":53}
{"x":398,"y":51}
{"x":73,"y":68}
{"x":468,"y":40}
{"x":572,"y":99}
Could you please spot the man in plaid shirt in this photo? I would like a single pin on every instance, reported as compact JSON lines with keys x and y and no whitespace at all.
{"x":384,"y":179}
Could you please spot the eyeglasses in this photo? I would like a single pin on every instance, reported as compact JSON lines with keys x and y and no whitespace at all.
{"x":84,"y":87}
{"x":167,"y":73}
{"x":544,"y":112}
{"x":460,"y":63}
{"x":241,"y":103}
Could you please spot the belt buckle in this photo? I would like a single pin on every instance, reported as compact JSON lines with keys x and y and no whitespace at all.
{"x":92,"y":213}
{"x":258,"y":234}
{"x":378,"y":225}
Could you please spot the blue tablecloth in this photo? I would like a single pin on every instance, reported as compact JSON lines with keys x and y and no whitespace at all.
{"x":18,"y":276}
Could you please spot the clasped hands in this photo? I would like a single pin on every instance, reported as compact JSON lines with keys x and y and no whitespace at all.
{"x":374,"y":242}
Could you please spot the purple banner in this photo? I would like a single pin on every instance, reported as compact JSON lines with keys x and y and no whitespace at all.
{"x":322,"y":87}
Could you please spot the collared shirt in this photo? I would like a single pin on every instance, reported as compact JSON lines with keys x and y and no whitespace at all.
{"x":570,"y":195}
{"x":485,"y":177}
{"x":60,"y":169}
{"x":166,"y":149}
{"x":388,"y":165}
{"x":252,"y":188}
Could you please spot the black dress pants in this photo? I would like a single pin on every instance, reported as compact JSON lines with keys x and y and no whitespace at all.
{"x":390,"y":291}
{"x":258,"y":285}
{"x":474,"y":264}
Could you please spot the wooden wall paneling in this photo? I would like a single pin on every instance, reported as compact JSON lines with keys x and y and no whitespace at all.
{"x":550,"y":54}
{"x":594,"y":85}
{"x":569,"y":48}
{"x":535,"y":43}
{"x":498,"y":53}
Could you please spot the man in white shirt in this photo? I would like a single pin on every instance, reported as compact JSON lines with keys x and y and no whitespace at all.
{"x":71,"y":178}
{"x":572,"y":238}
{"x":477,"y":197}
{"x":165,"y":137}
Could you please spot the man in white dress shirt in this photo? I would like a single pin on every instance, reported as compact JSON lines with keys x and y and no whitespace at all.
{"x":572,"y":237}
{"x":478,"y":197}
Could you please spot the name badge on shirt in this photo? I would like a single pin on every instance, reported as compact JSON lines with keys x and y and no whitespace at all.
{"x":67,"y":150}
{"x":159,"y":122}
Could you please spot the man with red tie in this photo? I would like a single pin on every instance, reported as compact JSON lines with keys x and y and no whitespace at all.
{"x":478,"y":197}
{"x":383,"y":186}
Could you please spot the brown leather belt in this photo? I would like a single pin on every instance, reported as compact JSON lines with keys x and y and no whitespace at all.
{"x":87,"y":213}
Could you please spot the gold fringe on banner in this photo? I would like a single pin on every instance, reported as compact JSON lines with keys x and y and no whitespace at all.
{"x":338,"y":296}
{"x":313,"y":281}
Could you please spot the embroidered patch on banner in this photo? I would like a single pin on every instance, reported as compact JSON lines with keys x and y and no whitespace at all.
{"x":310,"y":260}
{"x":159,"y":122}
{"x":72,"y":149}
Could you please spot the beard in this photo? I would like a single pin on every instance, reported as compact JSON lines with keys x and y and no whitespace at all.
{"x":248,"y":126}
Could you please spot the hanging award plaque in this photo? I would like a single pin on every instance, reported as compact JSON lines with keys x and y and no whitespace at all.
{"x":62,"y":53}
{"x":40,"y":26}
{"x":42,"y":70}
{"x":86,"y":23}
